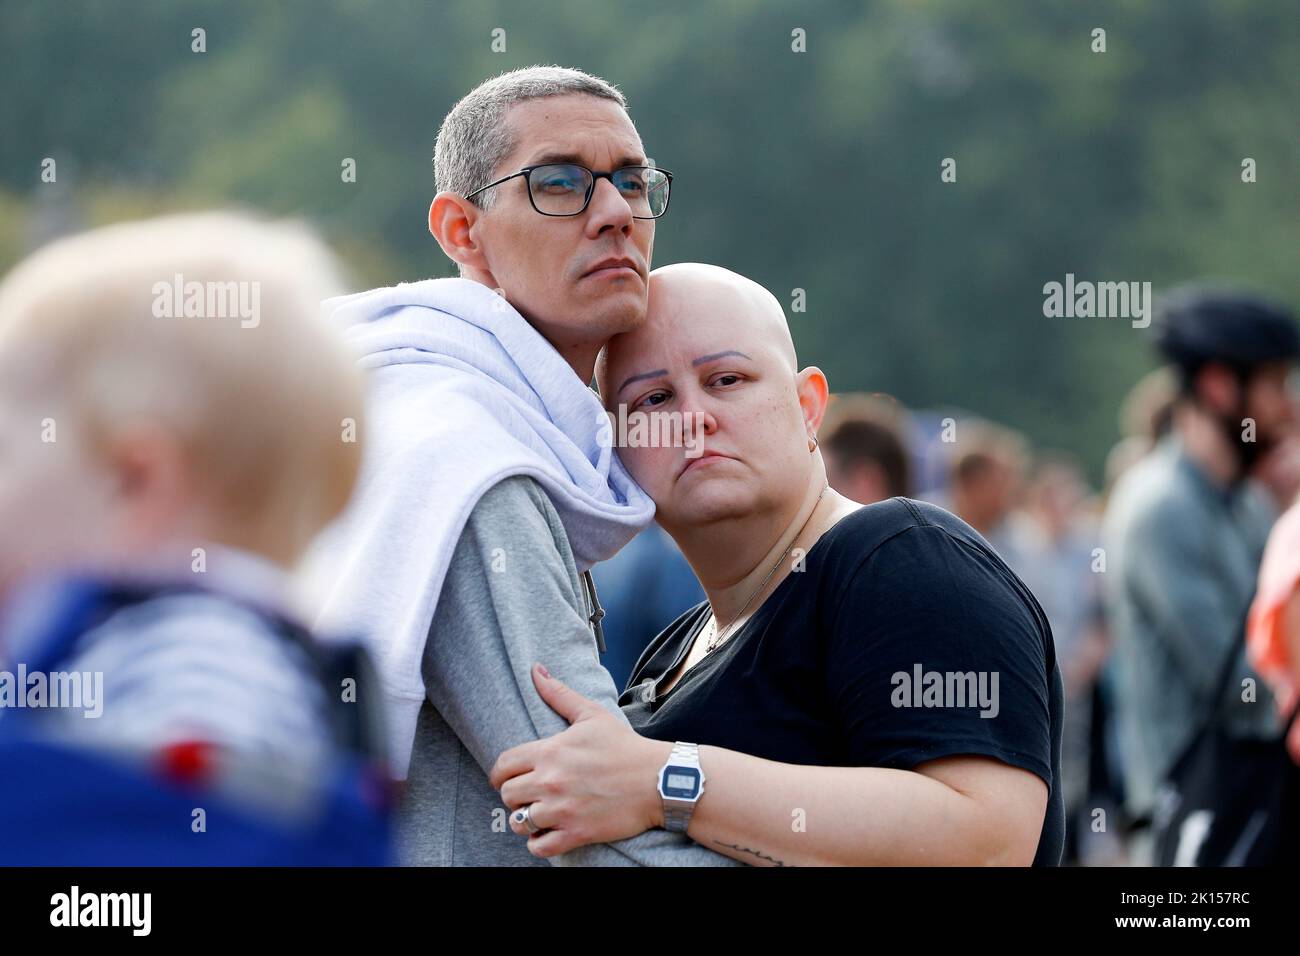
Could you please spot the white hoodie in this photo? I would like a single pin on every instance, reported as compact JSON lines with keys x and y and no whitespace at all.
{"x":463,"y":393}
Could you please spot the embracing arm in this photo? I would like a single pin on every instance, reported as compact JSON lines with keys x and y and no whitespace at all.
{"x":957,"y":811}
{"x":597,"y":779}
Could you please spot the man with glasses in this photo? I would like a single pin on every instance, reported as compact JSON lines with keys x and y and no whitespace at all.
{"x":565,"y":189}
{"x":490,"y":484}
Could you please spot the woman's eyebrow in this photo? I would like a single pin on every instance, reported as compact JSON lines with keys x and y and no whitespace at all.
{"x":694,"y":364}
{"x":644,"y":375}
{"x":717,"y":355}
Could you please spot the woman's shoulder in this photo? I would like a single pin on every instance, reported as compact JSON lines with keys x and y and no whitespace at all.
{"x":870,"y":526}
{"x":908,"y":553}
{"x":914,"y":534}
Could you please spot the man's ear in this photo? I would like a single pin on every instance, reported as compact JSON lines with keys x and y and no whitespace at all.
{"x":1217,"y":387}
{"x":814,"y":393}
{"x":451,"y":220}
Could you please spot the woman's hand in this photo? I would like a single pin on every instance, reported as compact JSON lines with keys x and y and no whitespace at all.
{"x":593,"y":783}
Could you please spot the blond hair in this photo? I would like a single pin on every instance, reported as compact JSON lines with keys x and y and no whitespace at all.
{"x":258,"y":408}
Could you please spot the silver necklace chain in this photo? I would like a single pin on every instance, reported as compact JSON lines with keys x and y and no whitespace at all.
{"x":717,"y":637}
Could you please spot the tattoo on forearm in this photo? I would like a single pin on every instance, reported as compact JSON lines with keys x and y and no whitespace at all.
{"x":745,"y":849}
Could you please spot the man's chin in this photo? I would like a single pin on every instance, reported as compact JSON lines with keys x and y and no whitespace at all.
{"x":632,"y":319}
{"x":617,"y":312}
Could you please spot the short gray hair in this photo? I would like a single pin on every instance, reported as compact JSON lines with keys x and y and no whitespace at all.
{"x":474,"y":138}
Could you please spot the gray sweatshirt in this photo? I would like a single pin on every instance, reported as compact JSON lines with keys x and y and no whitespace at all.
{"x":512,"y":597}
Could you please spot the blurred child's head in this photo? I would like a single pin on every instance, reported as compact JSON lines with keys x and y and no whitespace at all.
{"x":167,"y":384}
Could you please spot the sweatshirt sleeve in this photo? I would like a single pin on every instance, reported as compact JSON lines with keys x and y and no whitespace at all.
{"x":512,"y":597}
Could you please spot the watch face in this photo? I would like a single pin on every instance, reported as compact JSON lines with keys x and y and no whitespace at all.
{"x":680,"y":783}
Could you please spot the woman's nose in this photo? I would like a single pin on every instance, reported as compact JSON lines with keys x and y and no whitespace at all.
{"x":699,"y":416}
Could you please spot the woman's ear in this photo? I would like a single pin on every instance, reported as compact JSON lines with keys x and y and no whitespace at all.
{"x":814,"y":393}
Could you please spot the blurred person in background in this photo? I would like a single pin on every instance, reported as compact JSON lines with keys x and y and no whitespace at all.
{"x":1273,"y":635}
{"x":1186,"y":526}
{"x":170,"y":443}
{"x":865,"y":449}
{"x":1145,"y":416}
{"x":1273,"y":649}
{"x":1063,"y":573}
{"x":986,"y":481}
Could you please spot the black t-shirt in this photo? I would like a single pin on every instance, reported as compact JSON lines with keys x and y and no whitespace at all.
{"x":904,"y":639}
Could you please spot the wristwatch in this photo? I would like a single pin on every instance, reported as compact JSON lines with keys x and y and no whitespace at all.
{"x":681,"y":784}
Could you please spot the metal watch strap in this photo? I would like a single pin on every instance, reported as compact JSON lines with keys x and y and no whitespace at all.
{"x":677,"y":813}
{"x":690,"y":753}
{"x":677,"y":820}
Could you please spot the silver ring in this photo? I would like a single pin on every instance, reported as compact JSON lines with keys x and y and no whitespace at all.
{"x":524,"y":816}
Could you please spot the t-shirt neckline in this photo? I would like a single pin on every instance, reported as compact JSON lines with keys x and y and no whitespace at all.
{"x":689,"y":642}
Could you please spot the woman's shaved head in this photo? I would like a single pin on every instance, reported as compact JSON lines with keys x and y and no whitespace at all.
{"x":716,"y":348}
{"x":680,"y":292}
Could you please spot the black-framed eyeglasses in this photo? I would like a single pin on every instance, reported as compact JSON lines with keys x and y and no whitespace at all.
{"x":565,"y":189}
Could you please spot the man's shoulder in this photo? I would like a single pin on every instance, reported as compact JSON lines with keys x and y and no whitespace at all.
{"x":1154,"y":495}
{"x":383,"y":301}
{"x":515,"y":498}
{"x":516,"y":490}
{"x":514,"y":519}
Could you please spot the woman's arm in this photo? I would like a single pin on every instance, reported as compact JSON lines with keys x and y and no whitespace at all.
{"x":596,"y":782}
{"x":957,"y":811}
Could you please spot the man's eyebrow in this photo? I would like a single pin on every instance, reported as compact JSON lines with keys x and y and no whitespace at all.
{"x":563,"y":157}
{"x":644,"y":375}
{"x":717,"y":355}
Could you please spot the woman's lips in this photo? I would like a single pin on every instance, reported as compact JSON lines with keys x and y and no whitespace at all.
{"x":705,"y":459}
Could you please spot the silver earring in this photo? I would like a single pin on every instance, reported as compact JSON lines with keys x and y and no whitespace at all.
{"x":813,"y":447}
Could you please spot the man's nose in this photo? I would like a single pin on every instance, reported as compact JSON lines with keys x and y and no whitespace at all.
{"x":608,"y":210}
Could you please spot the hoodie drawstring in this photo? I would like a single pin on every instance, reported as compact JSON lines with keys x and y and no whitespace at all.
{"x":597,"y":612}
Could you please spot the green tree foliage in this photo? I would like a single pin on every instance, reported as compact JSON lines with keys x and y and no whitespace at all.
{"x":817,"y":170}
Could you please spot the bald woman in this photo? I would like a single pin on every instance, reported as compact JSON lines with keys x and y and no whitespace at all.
{"x":863,"y":685}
